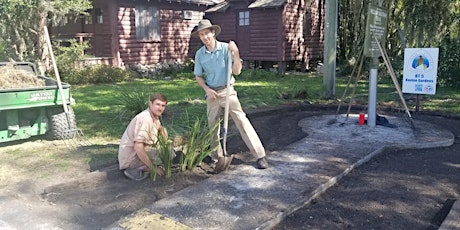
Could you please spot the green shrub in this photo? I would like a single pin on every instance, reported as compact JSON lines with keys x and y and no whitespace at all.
{"x":259,"y":74}
{"x":449,"y":64}
{"x":3,"y":57}
{"x":67,"y":57}
{"x":165,"y":70}
{"x":93,"y":74}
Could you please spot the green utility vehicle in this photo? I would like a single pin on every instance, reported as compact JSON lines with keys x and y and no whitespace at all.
{"x":27,"y":112}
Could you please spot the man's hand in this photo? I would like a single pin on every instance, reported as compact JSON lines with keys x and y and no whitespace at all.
{"x":233,"y":48}
{"x":160,"y":171}
{"x":237,"y":65}
{"x":211,"y":94}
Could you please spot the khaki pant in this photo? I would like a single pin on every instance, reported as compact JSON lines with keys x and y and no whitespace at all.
{"x":215,"y":109}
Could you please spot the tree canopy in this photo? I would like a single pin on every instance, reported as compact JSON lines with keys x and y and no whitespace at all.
{"x":422,"y":23}
{"x":22,"y":23}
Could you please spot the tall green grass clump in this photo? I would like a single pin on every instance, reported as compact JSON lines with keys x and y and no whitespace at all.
{"x":163,"y":147}
{"x":133,"y":101}
{"x":196,"y":142}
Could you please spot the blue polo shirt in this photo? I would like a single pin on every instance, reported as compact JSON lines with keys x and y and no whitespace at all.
{"x":213,"y":64}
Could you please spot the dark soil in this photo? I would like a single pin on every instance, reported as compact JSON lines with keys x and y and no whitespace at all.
{"x":411,"y":189}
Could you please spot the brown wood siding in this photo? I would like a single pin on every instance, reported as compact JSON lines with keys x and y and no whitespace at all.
{"x":227,"y":23}
{"x":279,"y":34}
{"x":101,"y":39}
{"x":293,"y":32}
{"x":266,"y":33}
{"x":264,"y":37}
{"x":293,"y":21}
{"x":276,"y":34}
{"x":314,"y":30}
{"x":174,"y":32}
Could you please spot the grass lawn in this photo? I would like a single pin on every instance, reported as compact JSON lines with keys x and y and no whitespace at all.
{"x":101,"y":114}
{"x":100,"y":108}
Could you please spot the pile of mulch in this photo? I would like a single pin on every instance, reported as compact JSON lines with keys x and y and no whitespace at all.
{"x":13,"y":78}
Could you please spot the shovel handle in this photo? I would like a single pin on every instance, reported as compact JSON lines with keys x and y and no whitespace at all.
{"x":227,"y":102}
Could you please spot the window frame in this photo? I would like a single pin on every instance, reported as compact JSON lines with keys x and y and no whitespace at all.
{"x":147,"y":23}
{"x":243,"y":18}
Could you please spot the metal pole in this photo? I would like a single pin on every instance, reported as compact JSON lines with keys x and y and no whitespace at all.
{"x":330,"y":44}
{"x":372,"y":97}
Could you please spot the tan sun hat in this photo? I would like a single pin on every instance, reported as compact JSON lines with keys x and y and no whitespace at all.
{"x":206,"y":24}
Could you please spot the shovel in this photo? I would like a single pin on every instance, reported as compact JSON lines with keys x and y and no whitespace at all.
{"x":224,"y":162}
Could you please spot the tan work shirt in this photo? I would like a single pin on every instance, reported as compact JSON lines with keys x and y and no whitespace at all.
{"x":140,"y":129}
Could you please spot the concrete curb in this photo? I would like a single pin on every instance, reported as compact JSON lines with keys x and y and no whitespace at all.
{"x":452,"y":221}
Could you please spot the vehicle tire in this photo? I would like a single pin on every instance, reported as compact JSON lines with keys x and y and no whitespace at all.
{"x":62,"y":126}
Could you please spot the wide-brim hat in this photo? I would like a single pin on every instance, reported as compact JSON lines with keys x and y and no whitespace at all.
{"x":206,"y":24}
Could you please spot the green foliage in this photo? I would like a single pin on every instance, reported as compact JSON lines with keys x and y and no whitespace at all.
{"x":165,"y":70}
{"x":449,"y":64}
{"x":69,"y":60}
{"x":68,"y":57}
{"x":422,"y":24}
{"x":94,"y":74}
{"x":22,"y":23}
{"x":259,"y":74}
{"x":3,"y":57}
{"x":163,"y":147}
{"x":293,"y":92}
{"x":196,"y":142}
{"x":98,"y":106}
{"x":133,"y":101}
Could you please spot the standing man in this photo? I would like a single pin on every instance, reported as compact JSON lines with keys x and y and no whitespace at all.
{"x":212,"y":60}
{"x":136,"y":153}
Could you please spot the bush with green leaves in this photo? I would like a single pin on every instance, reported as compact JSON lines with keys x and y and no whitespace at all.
{"x":259,"y":74}
{"x":165,"y":70}
{"x":68,"y":57}
{"x":93,"y":74}
{"x":69,"y":60}
{"x":3,"y":57}
{"x":449,"y":64}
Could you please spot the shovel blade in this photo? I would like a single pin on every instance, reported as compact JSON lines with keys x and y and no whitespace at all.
{"x":223,"y":163}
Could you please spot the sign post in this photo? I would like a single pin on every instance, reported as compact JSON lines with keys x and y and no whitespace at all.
{"x":376,"y":26}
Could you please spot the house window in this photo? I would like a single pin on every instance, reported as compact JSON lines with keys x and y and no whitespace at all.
{"x":64,"y":21}
{"x":88,"y":17}
{"x":99,"y":16}
{"x":244,"y":18}
{"x":147,"y":23}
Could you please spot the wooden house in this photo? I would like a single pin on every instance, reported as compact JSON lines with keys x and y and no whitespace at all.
{"x":127,"y":32}
{"x":268,"y":32}
{"x":280,"y":33}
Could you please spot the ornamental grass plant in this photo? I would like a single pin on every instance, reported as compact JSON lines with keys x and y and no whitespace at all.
{"x":196,"y":143}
